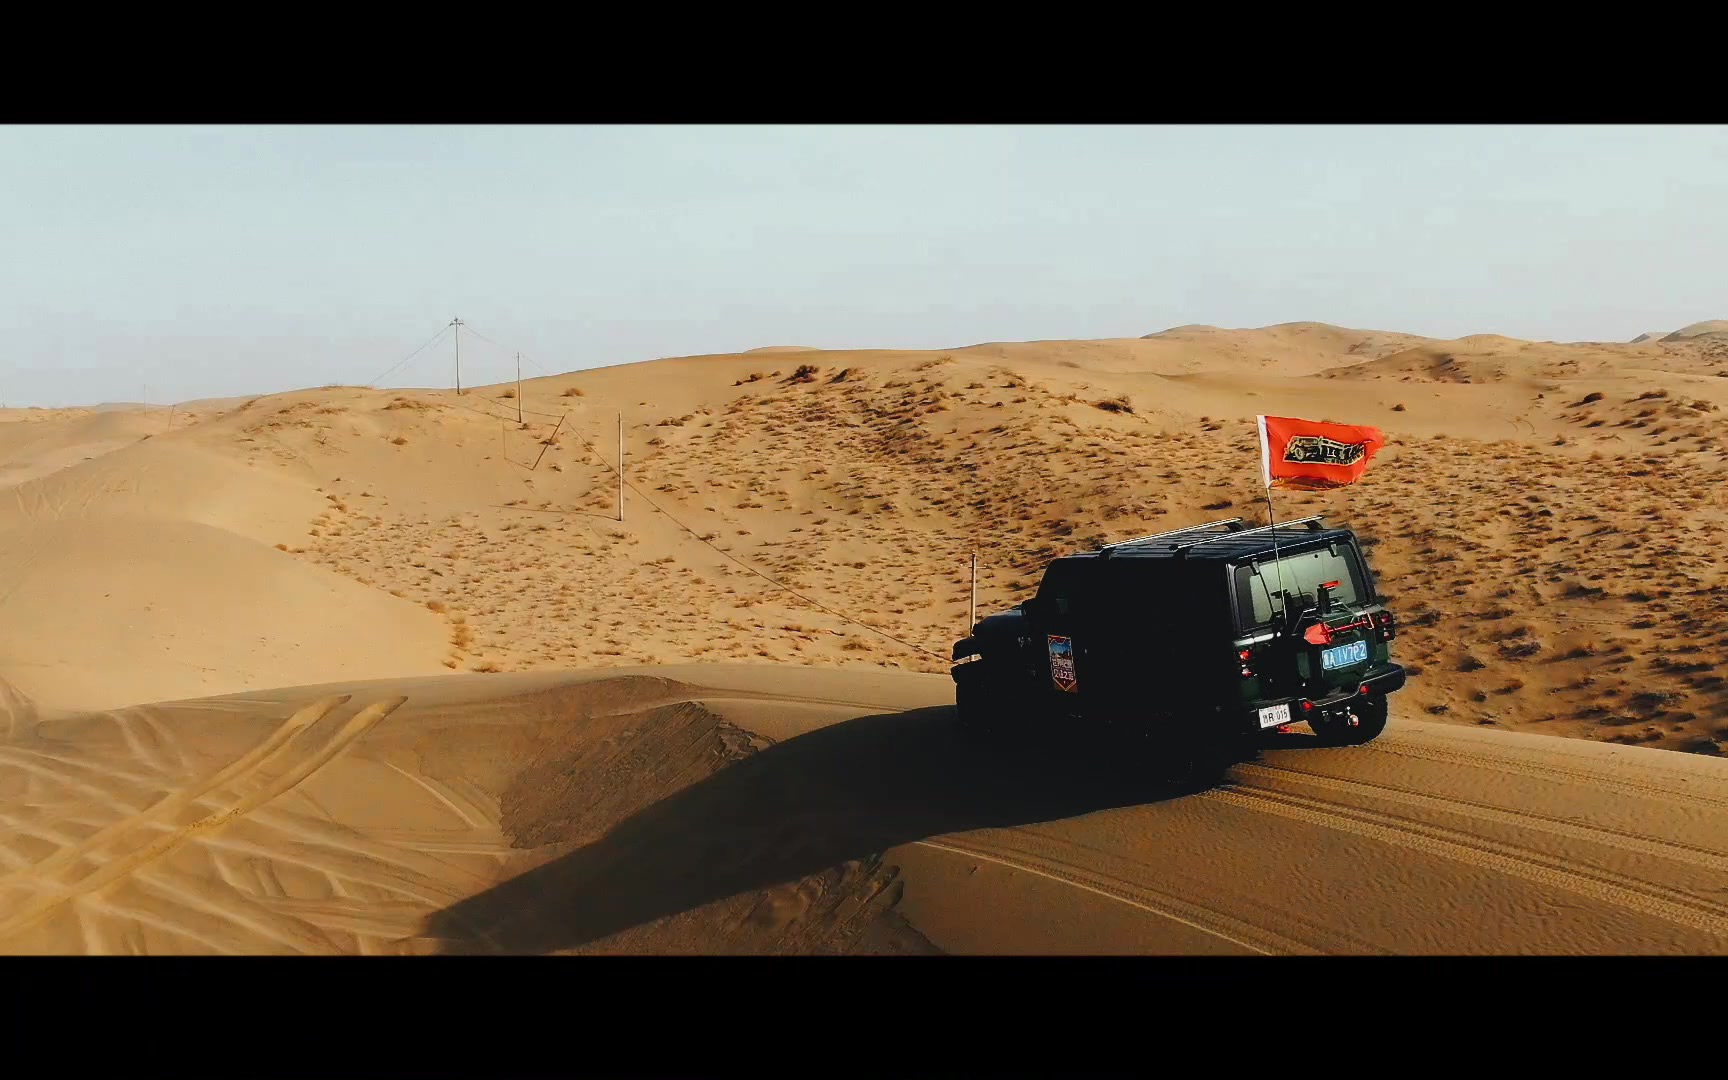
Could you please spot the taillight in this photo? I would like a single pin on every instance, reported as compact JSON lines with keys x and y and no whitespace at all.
{"x":1384,"y":628}
{"x":1245,"y":655}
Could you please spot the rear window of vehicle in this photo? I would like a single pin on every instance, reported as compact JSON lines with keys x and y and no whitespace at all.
{"x":1257,"y":595}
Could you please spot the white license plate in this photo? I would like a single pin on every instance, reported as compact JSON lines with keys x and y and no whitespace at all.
{"x":1275,"y":716}
{"x":1344,"y":655}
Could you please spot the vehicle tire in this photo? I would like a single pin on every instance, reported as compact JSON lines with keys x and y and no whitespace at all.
{"x":1188,"y":768}
{"x":970,"y":705}
{"x":990,"y":703}
{"x":979,"y":706}
{"x":1371,"y":716}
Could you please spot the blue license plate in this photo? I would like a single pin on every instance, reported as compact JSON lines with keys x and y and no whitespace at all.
{"x":1344,"y":655}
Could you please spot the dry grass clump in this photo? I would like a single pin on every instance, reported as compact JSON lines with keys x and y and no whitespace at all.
{"x":1115,"y":405}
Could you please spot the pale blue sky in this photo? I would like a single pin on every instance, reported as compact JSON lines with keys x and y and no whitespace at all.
{"x":207,"y":261}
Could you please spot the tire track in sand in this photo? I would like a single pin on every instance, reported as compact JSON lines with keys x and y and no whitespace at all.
{"x":1690,"y":854}
{"x":1621,"y":782}
{"x":16,"y":710}
{"x":180,"y":800}
{"x":315,"y":834}
{"x":1253,"y":938}
{"x":1596,"y":883}
{"x":60,"y":888}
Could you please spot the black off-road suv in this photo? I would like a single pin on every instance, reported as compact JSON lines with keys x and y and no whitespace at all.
{"x":1202,"y":638}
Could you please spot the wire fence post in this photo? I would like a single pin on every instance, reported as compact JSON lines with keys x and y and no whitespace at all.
{"x":972,"y":613}
{"x":620,"y":466}
{"x":457,"y":323}
{"x":547,"y":444}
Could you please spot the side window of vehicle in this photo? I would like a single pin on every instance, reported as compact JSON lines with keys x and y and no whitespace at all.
{"x":1057,"y":578}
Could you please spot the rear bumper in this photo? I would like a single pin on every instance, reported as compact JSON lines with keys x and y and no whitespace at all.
{"x":1381,"y":680}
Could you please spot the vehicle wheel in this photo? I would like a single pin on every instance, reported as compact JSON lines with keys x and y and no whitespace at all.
{"x":968,"y":708}
{"x":1194,"y":767}
{"x":1371,"y":721}
{"x":979,"y":706}
{"x":991,"y":704}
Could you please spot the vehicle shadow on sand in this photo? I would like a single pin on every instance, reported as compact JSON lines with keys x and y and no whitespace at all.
{"x":845,"y":792}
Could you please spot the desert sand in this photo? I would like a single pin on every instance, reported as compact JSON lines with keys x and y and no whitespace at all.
{"x":380,"y":670}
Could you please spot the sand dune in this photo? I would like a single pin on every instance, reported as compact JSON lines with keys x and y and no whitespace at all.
{"x":1699,"y":329}
{"x":135,"y":610}
{"x":741,"y":809}
{"x":42,"y":444}
{"x":1545,"y":518}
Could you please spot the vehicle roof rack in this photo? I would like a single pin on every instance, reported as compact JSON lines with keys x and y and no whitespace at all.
{"x":1313,"y":524}
{"x":1229,"y":523}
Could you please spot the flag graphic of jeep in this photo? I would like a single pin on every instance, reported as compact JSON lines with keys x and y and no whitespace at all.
{"x":1323,"y":451}
{"x":1062,"y":662}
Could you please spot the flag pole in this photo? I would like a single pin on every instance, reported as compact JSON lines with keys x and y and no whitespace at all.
{"x":1277,"y":561}
{"x":1271,"y":515}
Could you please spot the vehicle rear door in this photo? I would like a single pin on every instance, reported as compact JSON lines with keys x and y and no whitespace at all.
{"x":1330,"y":651}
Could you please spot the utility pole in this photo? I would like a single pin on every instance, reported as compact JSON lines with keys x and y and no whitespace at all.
{"x":620,"y":466}
{"x":972,"y":615}
{"x":518,"y":388}
{"x":457,"y":323}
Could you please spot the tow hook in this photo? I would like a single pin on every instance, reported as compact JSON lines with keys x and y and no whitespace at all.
{"x":1352,"y":719}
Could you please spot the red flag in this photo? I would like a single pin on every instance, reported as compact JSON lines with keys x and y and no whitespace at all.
{"x":1307,"y":455}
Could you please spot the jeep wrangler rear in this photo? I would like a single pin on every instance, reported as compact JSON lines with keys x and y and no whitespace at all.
{"x":1208,"y":636}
